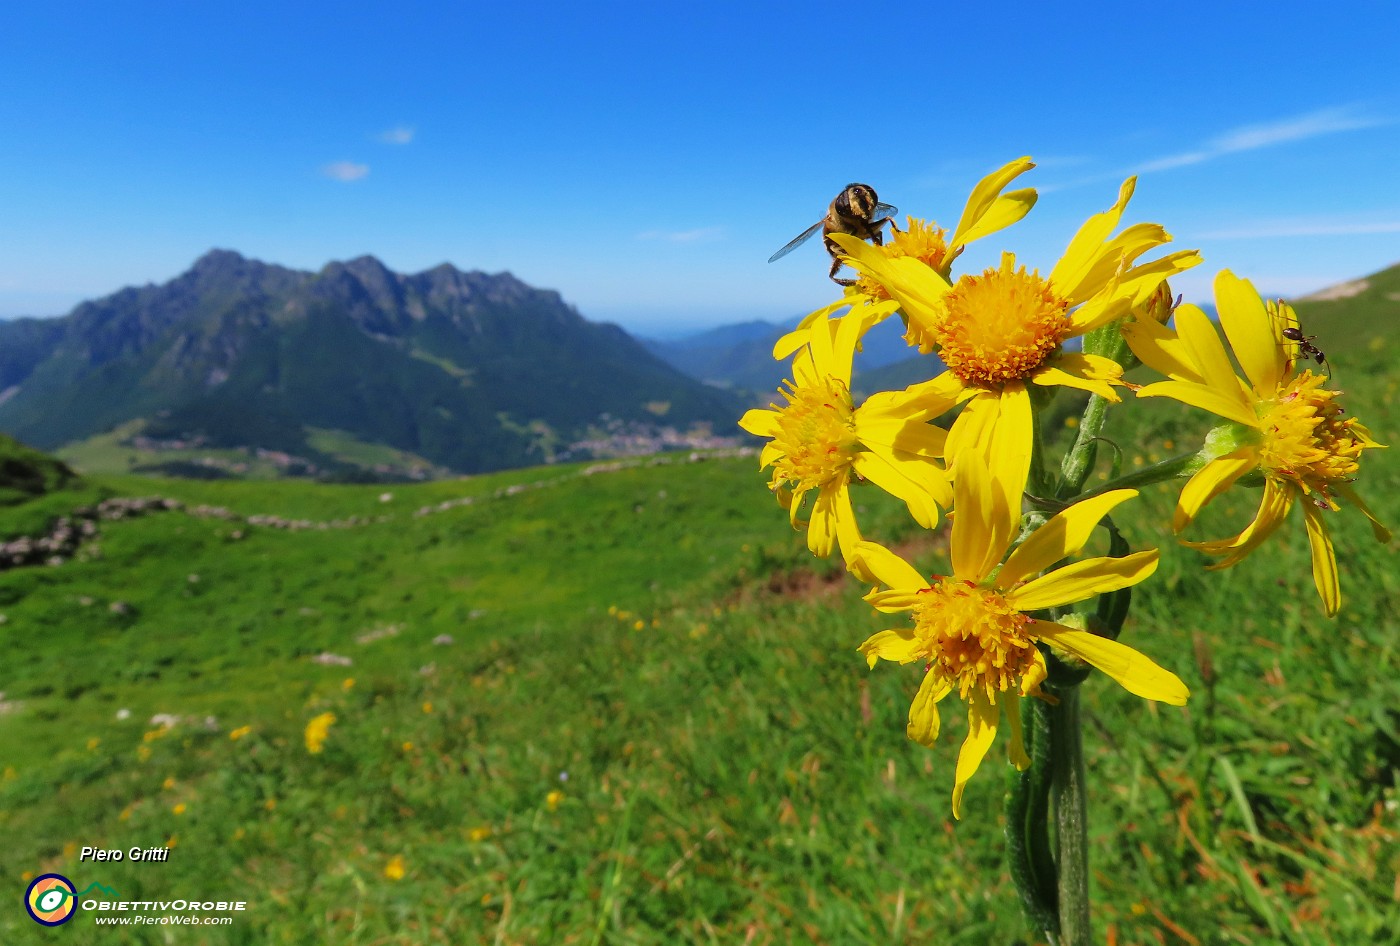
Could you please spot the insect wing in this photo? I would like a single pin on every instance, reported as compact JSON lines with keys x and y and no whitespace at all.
{"x":798,"y":240}
{"x":883,"y":212}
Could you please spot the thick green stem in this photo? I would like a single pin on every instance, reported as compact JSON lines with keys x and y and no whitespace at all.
{"x":1071,"y":818}
{"x":1079,"y":462}
{"x":1028,"y":825}
{"x":1155,"y":473}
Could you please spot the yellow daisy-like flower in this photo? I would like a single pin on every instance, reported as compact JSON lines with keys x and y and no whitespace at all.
{"x":1005,"y":327}
{"x":394,"y":870}
{"x":317,"y":730}
{"x":821,"y":440}
{"x":1289,"y":426}
{"x":972,"y":629}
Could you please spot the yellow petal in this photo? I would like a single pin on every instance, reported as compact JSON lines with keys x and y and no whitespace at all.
{"x":1203,"y":342}
{"x":798,"y":337}
{"x":983,"y":215}
{"x":982,"y":718}
{"x":804,"y":367}
{"x":760,"y":423}
{"x":1005,"y":210}
{"x":898,"y":434}
{"x":1062,"y":536}
{"x":1081,"y":580}
{"x":1135,"y":672}
{"x":923,"y":712}
{"x":1090,"y":373}
{"x":1011,"y":706}
{"x":915,"y":286}
{"x":979,"y":505}
{"x":821,"y":531}
{"x":1210,"y":481}
{"x":1324,"y":560}
{"x":1206,"y":397}
{"x":893,"y":571}
{"x":1073,"y":271}
{"x":898,"y":645}
{"x":890,"y":600}
{"x":1273,"y":510}
{"x":1256,"y":341}
{"x":1160,"y":349}
{"x":1378,"y":530}
{"x":921,"y":485}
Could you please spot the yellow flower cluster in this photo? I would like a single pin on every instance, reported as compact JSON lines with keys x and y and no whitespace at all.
{"x":1006,"y":338}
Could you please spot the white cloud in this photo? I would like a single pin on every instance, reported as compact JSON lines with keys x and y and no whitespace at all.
{"x":1325,"y":121}
{"x":398,"y":135}
{"x":345,"y":171}
{"x":698,"y":235}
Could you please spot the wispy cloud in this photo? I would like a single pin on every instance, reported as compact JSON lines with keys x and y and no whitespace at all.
{"x":1327,"y":121}
{"x":398,"y":135}
{"x":1300,"y":228}
{"x":698,"y":235}
{"x":345,"y":171}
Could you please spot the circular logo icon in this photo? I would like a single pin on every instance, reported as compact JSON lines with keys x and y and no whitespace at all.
{"x":51,"y":899}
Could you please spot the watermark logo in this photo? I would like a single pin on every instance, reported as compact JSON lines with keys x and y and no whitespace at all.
{"x":51,"y":900}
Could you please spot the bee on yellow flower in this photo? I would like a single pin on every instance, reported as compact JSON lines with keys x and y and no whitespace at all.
{"x":1004,"y":328}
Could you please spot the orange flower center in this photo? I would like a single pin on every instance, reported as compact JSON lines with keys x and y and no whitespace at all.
{"x":1307,"y":438}
{"x":816,"y":435}
{"x":974,"y":636}
{"x":1000,"y":326}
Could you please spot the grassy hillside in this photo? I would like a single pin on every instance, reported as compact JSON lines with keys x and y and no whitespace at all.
{"x":623,"y":705}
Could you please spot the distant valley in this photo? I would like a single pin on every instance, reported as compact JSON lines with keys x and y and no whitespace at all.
{"x":239,"y":367}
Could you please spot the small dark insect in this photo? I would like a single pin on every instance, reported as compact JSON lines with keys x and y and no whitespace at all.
{"x":1305,"y":344}
{"x":857,"y":211}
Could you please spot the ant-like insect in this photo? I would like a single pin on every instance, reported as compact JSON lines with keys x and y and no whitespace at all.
{"x":1305,"y":344}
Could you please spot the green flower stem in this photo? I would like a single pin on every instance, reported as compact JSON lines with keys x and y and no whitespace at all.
{"x":1171,"y":469}
{"x":1079,"y":461}
{"x":1071,"y":818}
{"x":1031,"y":860}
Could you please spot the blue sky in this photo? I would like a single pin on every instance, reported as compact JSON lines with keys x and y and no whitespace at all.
{"x":646,"y":159}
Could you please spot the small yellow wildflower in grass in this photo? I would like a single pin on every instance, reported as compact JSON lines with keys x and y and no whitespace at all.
{"x":427,"y":707}
{"x":1286,"y":424}
{"x":407,"y":746}
{"x":240,"y":732}
{"x":479,"y":833}
{"x":820,"y":441}
{"x":638,"y":625}
{"x":553,"y":799}
{"x":143,"y":753}
{"x":169,"y":783}
{"x":270,"y":805}
{"x":93,"y":742}
{"x":348,"y":683}
{"x":178,"y":808}
{"x":1003,"y":328}
{"x":317,"y":730}
{"x":172,"y":841}
{"x":973,"y":630}
{"x":394,"y":869}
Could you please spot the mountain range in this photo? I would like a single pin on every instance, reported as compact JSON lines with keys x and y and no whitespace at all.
{"x":347,"y":371}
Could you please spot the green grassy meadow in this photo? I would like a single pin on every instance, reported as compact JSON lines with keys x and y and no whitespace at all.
{"x":651,"y":725}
